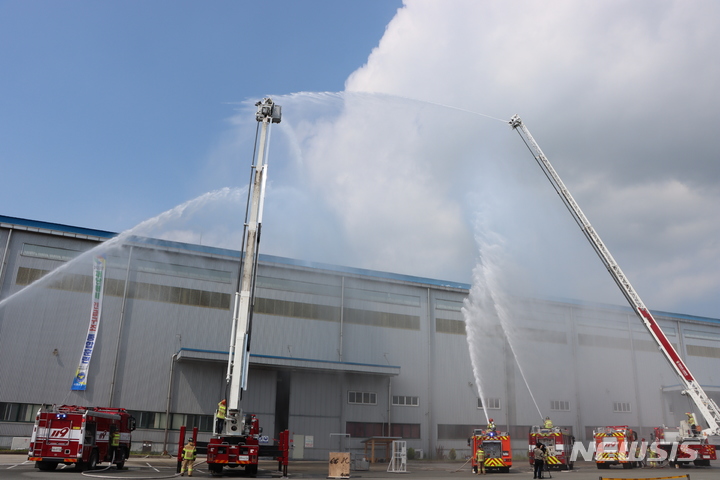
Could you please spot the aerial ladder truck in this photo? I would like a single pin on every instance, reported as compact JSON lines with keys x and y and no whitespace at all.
{"x":237,"y":444}
{"x":691,"y":444}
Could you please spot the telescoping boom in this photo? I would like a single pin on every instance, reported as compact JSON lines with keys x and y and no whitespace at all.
{"x":707,"y":406}
{"x":267,"y":114}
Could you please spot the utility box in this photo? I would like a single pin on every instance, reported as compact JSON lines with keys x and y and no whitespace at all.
{"x":20,"y":443}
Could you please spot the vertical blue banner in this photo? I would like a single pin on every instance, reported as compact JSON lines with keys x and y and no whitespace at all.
{"x":80,"y":380}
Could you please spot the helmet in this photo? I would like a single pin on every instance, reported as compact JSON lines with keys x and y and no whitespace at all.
{"x":223,"y":401}
{"x":491,"y":419}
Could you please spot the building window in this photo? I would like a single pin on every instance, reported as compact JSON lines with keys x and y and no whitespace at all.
{"x":621,"y":407}
{"x":18,"y":412}
{"x":492,"y":403}
{"x":451,"y":305}
{"x":560,"y":405}
{"x":148,"y":420}
{"x":405,"y":401}
{"x":446,"y":325}
{"x":204,"y":423}
{"x":362,"y":398}
{"x":455,"y":432}
{"x":362,"y":429}
{"x":405,"y":430}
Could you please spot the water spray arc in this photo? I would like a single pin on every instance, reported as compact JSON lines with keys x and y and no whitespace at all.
{"x":488,"y":299}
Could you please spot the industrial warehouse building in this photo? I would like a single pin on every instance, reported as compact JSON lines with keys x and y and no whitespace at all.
{"x":338,"y":355}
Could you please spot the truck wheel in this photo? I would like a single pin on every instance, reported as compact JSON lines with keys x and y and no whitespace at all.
{"x":215,"y":469}
{"x":93,"y":462}
{"x":251,"y":470}
{"x":570,"y":465}
{"x":46,"y":466}
{"x":121,"y":461}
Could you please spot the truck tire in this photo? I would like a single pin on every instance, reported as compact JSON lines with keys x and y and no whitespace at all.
{"x":215,"y":469}
{"x":121,"y":461}
{"x":251,"y":470}
{"x":93,"y":461}
{"x":46,"y":466}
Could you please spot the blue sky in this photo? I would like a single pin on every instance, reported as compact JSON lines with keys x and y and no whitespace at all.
{"x":126,"y":98}
{"x":393,"y":153}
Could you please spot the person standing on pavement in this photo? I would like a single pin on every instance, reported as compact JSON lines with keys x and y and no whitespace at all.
{"x":189,"y":453}
{"x":480,"y":460}
{"x":539,"y":460}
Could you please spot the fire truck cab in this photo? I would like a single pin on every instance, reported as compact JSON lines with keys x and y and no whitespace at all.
{"x":82,"y":436}
{"x":559,"y":445}
{"x":497,"y":448}
{"x":612,"y":446}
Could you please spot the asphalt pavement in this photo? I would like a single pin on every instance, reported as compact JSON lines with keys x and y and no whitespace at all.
{"x":137,"y":467}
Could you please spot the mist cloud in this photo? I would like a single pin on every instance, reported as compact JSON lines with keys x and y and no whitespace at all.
{"x":396,"y":173}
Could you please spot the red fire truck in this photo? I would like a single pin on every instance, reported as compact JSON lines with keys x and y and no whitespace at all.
{"x":79,"y":436}
{"x":612,"y":446}
{"x":496,"y":445}
{"x":246,"y":452}
{"x":559,"y":444}
{"x":684,"y":445}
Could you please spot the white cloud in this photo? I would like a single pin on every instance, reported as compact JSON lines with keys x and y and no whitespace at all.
{"x":395,"y":173}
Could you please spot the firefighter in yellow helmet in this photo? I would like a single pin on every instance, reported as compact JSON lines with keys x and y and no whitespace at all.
{"x":691,"y":423}
{"x":480,"y":460}
{"x":548,"y":423}
{"x":220,"y":416}
{"x":189,"y":453}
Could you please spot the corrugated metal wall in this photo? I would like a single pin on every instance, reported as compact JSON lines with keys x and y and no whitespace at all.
{"x":592,"y":356}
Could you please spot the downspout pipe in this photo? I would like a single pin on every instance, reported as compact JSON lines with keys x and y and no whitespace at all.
{"x":167,"y":405}
{"x":120,"y":327}
{"x":4,"y":258}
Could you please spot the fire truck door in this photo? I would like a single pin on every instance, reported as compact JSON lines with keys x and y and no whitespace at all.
{"x":90,"y":433}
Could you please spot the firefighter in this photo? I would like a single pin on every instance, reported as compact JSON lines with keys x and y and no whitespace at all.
{"x":691,"y":423}
{"x":538,"y":460}
{"x":548,"y":423}
{"x":480,"y":460}
{"x":491,"y":426}
{"x":189,"y":452}
{"x":220,"y":416}
{"x":114,"y":442}
{"x":642,"y":462}
{"x":652,"y":456}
